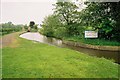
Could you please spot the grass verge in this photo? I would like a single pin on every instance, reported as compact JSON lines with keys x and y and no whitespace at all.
{"x":36,"y":60}
{"x":100,"y":42}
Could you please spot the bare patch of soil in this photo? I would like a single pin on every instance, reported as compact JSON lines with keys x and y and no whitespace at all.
{"x":8,"y":41}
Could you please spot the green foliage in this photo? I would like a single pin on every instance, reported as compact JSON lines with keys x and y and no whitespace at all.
{"x":66,"y":10}
{"x":102,"y":17}
{"x":32,"y":23}
{"x":26,"y":27}
{"x":97,"y":16}
{"x":60,"y":32}
{"x":7,"y":28}
{"x":100,"y":42}
{"x":68,"y":13}
{"x":89,"y":28}
{"x":52,"y":26}
{"x":35,"y":28}
{"x":48,"y":26}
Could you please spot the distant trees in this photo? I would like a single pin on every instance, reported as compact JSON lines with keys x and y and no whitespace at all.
{"x":9,"y":27}
{"x":32,"y":23}
{"x":32,"y":26}
{"x":25,"y":27}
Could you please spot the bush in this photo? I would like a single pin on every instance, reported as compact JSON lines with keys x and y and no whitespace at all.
{"x":51,"y":26}
{"x":60,"y":32}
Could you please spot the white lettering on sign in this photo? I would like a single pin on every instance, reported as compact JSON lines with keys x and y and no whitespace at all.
{"x":91,"y":34}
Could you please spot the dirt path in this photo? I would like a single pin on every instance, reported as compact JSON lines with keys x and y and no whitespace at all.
{"x":8,"y":40}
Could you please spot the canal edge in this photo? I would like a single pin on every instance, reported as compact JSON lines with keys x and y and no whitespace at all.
{"x":78,"y":44}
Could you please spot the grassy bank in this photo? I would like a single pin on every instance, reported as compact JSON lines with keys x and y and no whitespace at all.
{"x":100,"y":42}
{"x":31,"y":59}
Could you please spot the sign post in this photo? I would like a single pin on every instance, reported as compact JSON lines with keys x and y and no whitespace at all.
{"x":91,"y":34}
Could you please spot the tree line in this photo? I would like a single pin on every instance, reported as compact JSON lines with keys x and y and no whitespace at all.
{"x":68,"y":20}
{"x":6,"y":28}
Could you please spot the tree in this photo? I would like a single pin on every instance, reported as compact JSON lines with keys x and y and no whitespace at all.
{"x":52,"y":26}
{"x":67,"y":12}
{"x":103,"y":17}
{"x":32,"y":23}
{"x":25,"y":27}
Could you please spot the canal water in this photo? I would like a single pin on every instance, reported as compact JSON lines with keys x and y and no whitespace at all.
{"x":53,"y":41}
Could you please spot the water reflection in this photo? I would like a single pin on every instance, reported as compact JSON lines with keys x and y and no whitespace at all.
{"x":53,"y":41}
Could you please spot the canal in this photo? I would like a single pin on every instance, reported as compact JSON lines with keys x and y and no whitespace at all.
{"x":57,"y":42}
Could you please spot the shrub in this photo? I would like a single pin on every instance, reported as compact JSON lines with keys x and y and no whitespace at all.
{"x":60,"y":32}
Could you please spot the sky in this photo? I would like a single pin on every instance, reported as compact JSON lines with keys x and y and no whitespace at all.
{"x":24,"y":11}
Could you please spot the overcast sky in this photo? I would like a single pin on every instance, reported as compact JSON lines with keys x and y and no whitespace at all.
{"x":24,"y":11}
